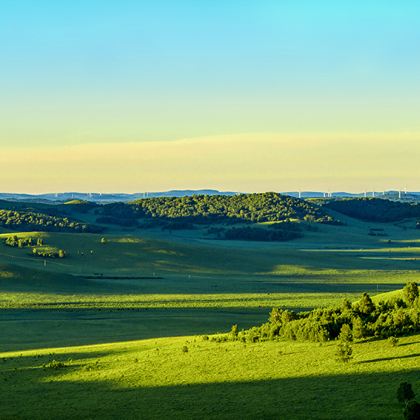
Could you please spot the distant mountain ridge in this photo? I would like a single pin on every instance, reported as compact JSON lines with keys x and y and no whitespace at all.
{"x":125,"y":197}
{"x":107,"y":197}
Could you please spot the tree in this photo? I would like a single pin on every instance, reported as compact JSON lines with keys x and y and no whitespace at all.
{"x":366,"y":306}
{"x":411,"y":292}
{"x":61,"y":253}
{"x":104,"y":241}
{"x":346,"y":334}
{"x":234,"y":330}
{"x":346,"y":305}
{"x":405,"y":392}
{"x":344,"y":352}
{"x":359,"y":330}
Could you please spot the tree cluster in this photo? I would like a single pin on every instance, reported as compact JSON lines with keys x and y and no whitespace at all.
{"x":262,"y":234}
{"x":374,"y":209}
{"x":16,"y":242}
{"x":23,"y":220}
{"x":39,"y":248}
{"x":265,"y":207}
{"x":359,"y":320}
{"x":48,"y":252}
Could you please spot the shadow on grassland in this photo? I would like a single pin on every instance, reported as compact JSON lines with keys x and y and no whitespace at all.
{"x":354,"y":396}
{"x":384,"y":359}
{"x":31,"y":329}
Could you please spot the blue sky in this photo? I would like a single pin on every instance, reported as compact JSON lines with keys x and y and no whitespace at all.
{"x":77,"y":72}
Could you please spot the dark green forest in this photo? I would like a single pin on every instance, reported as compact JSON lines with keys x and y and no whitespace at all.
{"x":374,"y":209}
{"x":264,"y":207}
{"x":25,"y":220}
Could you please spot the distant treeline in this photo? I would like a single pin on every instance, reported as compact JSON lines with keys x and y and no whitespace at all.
{"x":264,"y":207}
{"x":21,"y":220}
{"x":360,"y":320}
{"x":374,"y":209}
{"x":272,"y":233}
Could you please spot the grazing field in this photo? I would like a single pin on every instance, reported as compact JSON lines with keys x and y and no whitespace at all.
{"x":151,"y":277}
{"x":188,"y":377}
{"x":116,"y":326}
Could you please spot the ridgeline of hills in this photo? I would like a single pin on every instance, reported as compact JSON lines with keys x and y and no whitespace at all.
{"x":374,"y":209}
{"x":123,"y":197}
{"x":106,"y":197}
{"x":183,"y":212}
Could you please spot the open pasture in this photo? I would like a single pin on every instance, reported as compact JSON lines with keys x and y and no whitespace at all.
{"x":192,"y":378}
{"x":150,"y":283}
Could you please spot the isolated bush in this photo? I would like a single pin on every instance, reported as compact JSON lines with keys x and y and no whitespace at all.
{"x":393,"y":341}
{"x":54,"y":364}
{"x":184,"y":349}
{"x":405,"y":392}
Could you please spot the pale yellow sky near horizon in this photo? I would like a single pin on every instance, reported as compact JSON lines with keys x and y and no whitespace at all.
{"x":242,"y":162}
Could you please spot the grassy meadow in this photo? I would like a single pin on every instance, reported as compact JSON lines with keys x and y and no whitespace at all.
{"x":158,"y":378}
{"x":118,"y":314}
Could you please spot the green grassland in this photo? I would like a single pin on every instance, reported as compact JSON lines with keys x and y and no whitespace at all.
{"x":118,"y":314}
{"x":186,"y":275}
{"x":157,"y":379}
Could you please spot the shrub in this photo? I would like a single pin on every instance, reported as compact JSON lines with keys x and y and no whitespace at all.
{"x":393,"y":341}
{"x":55,"y":364}
{"x":184,"y":349}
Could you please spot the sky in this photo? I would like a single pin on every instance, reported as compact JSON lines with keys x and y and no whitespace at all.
{"x":107,"y":95}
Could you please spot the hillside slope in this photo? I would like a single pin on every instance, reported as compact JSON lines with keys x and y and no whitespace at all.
{"x":188,"y":377}
{"x":265,"y":207}
{"x":374,"y":209}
